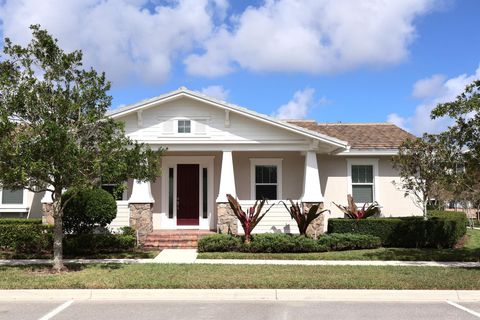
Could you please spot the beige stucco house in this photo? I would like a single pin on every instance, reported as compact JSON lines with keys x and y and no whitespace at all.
{"x":215,"y":148}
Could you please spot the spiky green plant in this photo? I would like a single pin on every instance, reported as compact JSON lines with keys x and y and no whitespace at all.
{"x":352,"y":211}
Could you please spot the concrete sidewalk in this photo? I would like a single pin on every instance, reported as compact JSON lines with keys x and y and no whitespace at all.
{"x":239,"y":295}
{"x":189,"y":256}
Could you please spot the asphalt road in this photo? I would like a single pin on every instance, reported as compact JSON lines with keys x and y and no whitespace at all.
{"x":251,"y":310}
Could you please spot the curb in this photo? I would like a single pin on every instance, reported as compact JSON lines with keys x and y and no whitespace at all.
{"x":240,"y":295}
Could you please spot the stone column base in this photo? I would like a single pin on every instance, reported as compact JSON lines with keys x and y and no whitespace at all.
{"x":141,"y":219}
{"x":227,"y":222}
{"x":316,"y":227}
{"x":47,"y":213}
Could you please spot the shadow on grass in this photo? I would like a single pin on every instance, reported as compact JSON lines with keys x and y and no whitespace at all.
{"x":409,"y":254}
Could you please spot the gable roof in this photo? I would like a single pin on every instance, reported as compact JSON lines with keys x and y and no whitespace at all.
{"x":360,"y":135}
{"x":184,"y":92}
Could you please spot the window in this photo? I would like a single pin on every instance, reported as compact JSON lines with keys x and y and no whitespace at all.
{"x":184,"y":126}
{"x":204,"y":193}
{"x":12,"y":196}
{"x":266,"y":179}
{"x":362,"y":176}
{"x":115,"y":190}
{"x":362,"y":183}
{"x":170,"y":193}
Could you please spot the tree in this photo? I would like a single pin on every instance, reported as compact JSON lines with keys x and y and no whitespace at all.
{"x":463,"y":139}
{"x":54,"y":133}
{"x":419,"y":169}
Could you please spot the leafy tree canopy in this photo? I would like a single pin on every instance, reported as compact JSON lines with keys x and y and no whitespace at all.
{"x":54,"y":133}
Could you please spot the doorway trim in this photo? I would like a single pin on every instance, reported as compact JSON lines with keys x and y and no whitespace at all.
{"x":162,"y":220}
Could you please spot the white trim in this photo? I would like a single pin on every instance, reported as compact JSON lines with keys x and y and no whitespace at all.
{"x":368,"y":152}
{"x":183,"y":92}
{"x":376,"y":179}
{"x":20,"y":207}
{"x":266,"y":162}
{"x":163,"y":221}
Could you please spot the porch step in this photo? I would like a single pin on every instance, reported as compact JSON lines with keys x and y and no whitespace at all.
{"x":174,"y":239}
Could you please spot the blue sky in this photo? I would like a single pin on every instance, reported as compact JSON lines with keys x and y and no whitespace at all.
{"x":348,"y":61}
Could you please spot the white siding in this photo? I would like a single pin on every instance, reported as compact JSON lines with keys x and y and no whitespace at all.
{"x":208,"y":125}
{"x":276,"y":220}
{"x":123,"y":216}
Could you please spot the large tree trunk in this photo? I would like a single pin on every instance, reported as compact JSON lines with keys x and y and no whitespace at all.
{"x":57,"y":237}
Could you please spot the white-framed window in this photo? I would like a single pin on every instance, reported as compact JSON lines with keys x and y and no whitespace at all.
{"x":115,"y":191}
{"x":266,"y":178}
{"x":184,"y":126}
{"x":12,"y":197}
{"x":362,"y":180}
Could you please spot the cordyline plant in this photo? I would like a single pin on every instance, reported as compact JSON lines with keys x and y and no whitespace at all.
{"x":302,"y":217}
{"x":352,"y":211}
{"x":249,"y":219}
{"x":54,"y":132}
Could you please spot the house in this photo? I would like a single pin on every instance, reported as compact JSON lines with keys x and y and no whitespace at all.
{"x":216,"y":148}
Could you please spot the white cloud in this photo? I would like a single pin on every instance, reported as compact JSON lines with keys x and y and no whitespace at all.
{"x":218,"y":92}
{"x":123,"y":37}
{"x":429,"y":87}
{"x":445,"y":91}
{"x":299,"y":106}
{"x":312,"y":36}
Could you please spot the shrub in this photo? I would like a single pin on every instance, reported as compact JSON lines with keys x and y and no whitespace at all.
{"x":20,"y":221}
{"x":98,"y":243}
{"x":87,"y":209}
{"x":349,"y":241}
{"x":219,"y":243}
{"x":302,"y":217}
{"x":25,"y":238}
{"x":280,"y":242}
{"x":128,"y":231}
{"x":407,"y":232}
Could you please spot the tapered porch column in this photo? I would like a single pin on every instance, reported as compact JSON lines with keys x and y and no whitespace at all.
{"x":141,"y":203}
{"x":226,"y":220}
{"x":47,"y":208}
{"x":312,"y":193}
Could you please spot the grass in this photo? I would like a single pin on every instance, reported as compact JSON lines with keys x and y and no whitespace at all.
{"x":137,"y":254}
{"x":239,"y":276}
{"x":469,"y":252}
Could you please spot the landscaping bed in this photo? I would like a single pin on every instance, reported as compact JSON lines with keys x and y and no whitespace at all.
{"x":239,"y":276}
{"x":470,"y":251}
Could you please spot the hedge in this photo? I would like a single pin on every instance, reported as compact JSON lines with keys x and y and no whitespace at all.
{"x":440,"y":230}
{"x":25,"y":237}
{"x":20,"y":221}
{"x":97,"y":243}
{"x":349,"y":241}
{"x":287,"y":243}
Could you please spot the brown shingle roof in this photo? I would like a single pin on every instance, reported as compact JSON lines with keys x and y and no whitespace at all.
{"x":360,"y":135}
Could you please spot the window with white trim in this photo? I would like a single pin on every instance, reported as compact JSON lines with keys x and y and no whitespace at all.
{"x":184,"y":126}
{"x":363,"y":180}
{"x":12,"y":196}
{"x":362,"y":183}
{"x":266,"y":175}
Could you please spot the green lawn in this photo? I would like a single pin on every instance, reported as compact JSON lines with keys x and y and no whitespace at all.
{"x":138,"y":254}
{"x":240,"y":276}
{"x":469,"y":252}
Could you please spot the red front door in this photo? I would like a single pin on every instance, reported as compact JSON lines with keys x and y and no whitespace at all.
{"x":188,"y":190}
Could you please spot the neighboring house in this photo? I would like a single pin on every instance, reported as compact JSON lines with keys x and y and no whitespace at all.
{"x":215,"y":148}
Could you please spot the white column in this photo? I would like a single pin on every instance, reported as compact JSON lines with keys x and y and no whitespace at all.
{"x":47,"y":197}
{"x":311,"y":180}
{"x":141,"y":192}
{"x":227,"y":179}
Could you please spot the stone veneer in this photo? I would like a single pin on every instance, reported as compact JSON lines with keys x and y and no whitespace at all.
{"x":227,"y":222}
{"x":141,"y":219}
{"x":47,"y":213}
{"x":316,"y":227}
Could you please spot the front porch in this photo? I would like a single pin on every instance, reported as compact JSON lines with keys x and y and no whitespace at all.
{"x":191,"y":193}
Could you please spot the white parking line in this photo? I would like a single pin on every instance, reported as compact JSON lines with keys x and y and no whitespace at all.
{"x":456,"y":305}
{"x":57,"y":310}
